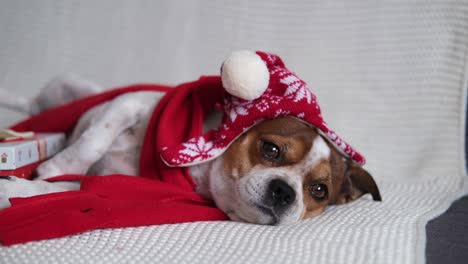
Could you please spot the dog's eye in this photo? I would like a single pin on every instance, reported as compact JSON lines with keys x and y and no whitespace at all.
{"x":271,"y":152}
{"x":319,"y":191}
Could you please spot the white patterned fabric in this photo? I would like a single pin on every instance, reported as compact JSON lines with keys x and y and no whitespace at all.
{"x":391,"y":76}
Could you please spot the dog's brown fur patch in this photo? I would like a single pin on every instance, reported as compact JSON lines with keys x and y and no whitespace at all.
{"x":293,"y":137}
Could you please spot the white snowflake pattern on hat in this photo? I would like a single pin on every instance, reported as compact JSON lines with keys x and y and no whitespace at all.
{"x":297,"y":88}
{"x":238,"y":107}
{"x":262,"y":106}
{"x":281,"y":112}
{"x":198,"y":149}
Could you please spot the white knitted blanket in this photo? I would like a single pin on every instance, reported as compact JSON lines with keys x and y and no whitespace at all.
{"x":391,"y":79}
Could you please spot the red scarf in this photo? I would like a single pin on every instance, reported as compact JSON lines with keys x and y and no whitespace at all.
{"x":162,"y":195}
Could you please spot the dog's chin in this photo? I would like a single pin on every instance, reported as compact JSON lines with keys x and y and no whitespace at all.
{"x":248,"y":211}
{"x":259,"y":213}
{"x":255,"y":214}
{"x":261,"y":219}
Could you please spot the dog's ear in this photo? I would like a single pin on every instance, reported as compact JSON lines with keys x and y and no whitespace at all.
{"x":357,"y":182}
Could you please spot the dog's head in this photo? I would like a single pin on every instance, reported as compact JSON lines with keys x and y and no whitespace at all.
{"x":283,"y":170}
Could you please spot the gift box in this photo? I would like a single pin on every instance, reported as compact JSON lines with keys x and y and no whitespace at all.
{"x":21,"y":156}
{"x":26,"y":172}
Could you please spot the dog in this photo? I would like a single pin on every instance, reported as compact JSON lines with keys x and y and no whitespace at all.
{"x":269,"y":158}
{"x":278,"y":172}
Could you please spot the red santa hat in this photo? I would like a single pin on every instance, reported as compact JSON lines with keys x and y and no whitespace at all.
{"x":259,"y":87}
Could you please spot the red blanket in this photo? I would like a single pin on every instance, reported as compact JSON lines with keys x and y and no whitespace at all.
{"x":162,"y":195}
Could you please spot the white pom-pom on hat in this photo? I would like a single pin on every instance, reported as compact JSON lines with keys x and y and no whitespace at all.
{"x":245,"y":75}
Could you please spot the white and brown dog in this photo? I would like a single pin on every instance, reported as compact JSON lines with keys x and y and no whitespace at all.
{"x":279,"y":171}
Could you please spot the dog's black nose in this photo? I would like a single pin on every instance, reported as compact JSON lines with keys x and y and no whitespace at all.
{"x":281,"y":193}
